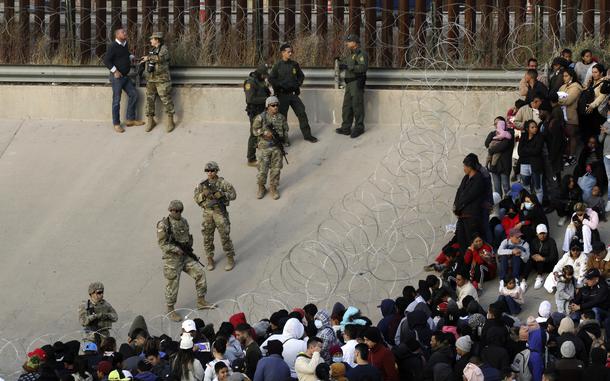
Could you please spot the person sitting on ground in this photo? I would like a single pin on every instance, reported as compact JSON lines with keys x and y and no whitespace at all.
{"x":597,"y":202}
{"x":511,"y":217}
{"x":583,"y":226}
{"x":597,"y":369}
{"x":531,"y":215}
{"x":589,"y":330}
{"x":481,"y":260}
{"x":448,"y":255}
{"x":570,"y":195}
{"x":567,"y":332}
{"x":574,"y":258}
{"x":543,"y":254}
{"x":363,"y":371}
{"x":593,"y":296}
{"x":464,"y":288}
{"x":599,"y":259}
{"x":31,"y":365}
{"x":306,"y":362}
{"x":566,"y":288}
{"x":511,"y":295}
{"x":515,"y":251}
{"x":568,"y":367}
{"x":591,"y":163}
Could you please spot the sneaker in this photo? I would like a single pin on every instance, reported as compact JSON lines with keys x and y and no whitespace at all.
{"x":608,"y":206}
{"x":561,"y":221}
{"x":429,"y":267}
{"x":501,"y":286}
{"x":539,"y":282}
{"x":523,"y":285}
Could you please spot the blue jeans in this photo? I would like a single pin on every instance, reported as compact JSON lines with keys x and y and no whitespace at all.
{"x":118,"y":85}
{"x":607,"y":166}
{"x":514,"y":260}
{"x":501,"y":183}
{"x":514,"y":308}
{"x":532,"y":181}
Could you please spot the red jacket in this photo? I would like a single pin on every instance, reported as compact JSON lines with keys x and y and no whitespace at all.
{"x":382,"y":358}
{"x":509,"y":223}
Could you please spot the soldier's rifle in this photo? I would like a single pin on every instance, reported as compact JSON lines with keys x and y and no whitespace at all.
{"x":187,"y":248}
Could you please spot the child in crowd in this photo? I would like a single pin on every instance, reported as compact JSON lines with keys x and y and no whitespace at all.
{"x":512,"y":295}
{"x":565,"y":288}
{"x":501,"y":134}
{"x":597,"y":202}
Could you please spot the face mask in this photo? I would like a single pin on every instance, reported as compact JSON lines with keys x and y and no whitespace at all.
{"x":528,"y":205}
{"x":337,"y":359}
{"x":457,"y":357}
{"x":318,"y":324}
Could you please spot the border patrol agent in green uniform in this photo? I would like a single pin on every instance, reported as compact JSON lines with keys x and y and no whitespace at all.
{"x":355,"y":64}
{"x":257,"y":91}
{"x":287,"y":78}
{"x":158,"y":81}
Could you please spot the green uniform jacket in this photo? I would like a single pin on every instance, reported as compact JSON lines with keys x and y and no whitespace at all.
{"x":102,"y":318}
{"x":206,"y":199}
{"x":180,"y":233}
{"x":161,"y":73}
{"x":357,"y":63}
{"x":286,"y":76}
{"x":261,"y":125}
{"x":256,"y":92}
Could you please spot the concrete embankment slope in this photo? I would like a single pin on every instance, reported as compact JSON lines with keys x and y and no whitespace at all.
{"x":356,"y":221}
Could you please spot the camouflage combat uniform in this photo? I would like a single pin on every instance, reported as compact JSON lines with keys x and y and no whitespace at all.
{"x":159,"y":82}
{"x":174,"y":260}
{"x":268,"y":154}
{"x":214,"y":197}
{"x":96,"y":319}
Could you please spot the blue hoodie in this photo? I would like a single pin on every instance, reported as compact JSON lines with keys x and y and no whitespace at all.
{"x":388,"y":311}
{"x":535,"y":344}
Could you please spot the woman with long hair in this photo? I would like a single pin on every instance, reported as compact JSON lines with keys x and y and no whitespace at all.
{"x":531,"y":162}
{"x":185,"y":366}
{"x":572,"y":88}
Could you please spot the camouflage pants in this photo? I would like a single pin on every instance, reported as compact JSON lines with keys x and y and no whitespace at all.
{"x":269,"y":162}
{"x":164,"y":89}
{"x":173,"y":266}
{"x":214,"y":219}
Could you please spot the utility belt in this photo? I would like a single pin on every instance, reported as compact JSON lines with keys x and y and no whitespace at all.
{"x":266,"y":144}
{"x":361,"y":80}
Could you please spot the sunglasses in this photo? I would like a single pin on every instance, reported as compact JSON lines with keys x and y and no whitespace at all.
{"x":210,"y":170}
{"x":273,"y":105}
{"x":176,"y":210}
{"x":99,"y":292}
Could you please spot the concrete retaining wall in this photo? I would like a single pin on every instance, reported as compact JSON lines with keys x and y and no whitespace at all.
{"x":226,"y":105}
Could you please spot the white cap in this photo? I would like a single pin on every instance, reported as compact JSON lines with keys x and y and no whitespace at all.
{"x":544,"y":311}
{"x":541,"y":229}
{"x":186,"y":341}
{"x":189,"y":326}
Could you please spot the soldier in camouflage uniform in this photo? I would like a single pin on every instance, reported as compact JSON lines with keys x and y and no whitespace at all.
{"x":158,"y":81}
{"x":287,"y":78}
{"x":355,"y":64}
{"x":269,"y":155}
{"x":256,"y":90}
{"x":96,"y":315}
{"x":175,"y":241}
{"x":214,"y":195}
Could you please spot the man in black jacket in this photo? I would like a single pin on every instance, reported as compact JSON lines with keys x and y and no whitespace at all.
{"x":118,"y":60}
{"x":543,"y":254}
{"x":592,"y":297}
{"x":467,"y":204}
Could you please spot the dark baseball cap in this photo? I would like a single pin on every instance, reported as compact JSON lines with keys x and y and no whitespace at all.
{"x":592,"y":273}
{"x":598,"y":247}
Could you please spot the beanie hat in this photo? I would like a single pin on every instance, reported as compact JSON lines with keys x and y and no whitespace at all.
{"x":186,"y":341}
{"x":373,"y":334}
{"x":544,"y":311}
{"x":566,"y":325}
{"x":464,"y":343}
{"x":568,"y":350}
{"x":35,"y":358}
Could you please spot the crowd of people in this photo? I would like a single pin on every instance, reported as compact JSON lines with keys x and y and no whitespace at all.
{"x":547,"y":155}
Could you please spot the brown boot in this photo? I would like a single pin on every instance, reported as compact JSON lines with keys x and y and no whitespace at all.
{"x":211,"y":264}
{"x":151,"y":123}
{"x":203,"y":304}
{"x":170,"y":123}
{"x":172,"y":315}
{"x":252,"y":163}
{"x":131,"y":123}
{"x":118,"y":128}
{"x":274,"y":193}
{"x":261,"y":191}
{"x":230,"y":263}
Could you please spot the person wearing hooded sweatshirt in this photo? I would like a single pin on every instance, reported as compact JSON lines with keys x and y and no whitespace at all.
{"x":390,"y":318}
{"x":568,"y":368}
{"x":292,"y":343}
{"x":325,"y":333}
{"x":536,"y":342}
{"x":463,"y":347}
{"x":272,"y":367}
{"x":494,"y":353}
{"x":588,"y":329}
{"x":410,"y":358}
{"x":380,"y":356}
{"x":597,"y":368}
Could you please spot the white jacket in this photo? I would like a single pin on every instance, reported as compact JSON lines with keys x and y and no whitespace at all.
{"x":291,"y":339}
{"x":580,"y":267}
{"x":306,"y":367}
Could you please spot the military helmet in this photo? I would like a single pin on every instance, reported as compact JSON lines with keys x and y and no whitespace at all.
{"x":175,"y":205}
{"x":95,"y":286}
{"x":212,"y":166}
{"x":271,"y":100}
{"x":157,"y":35}
{"x":262,"y":69}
